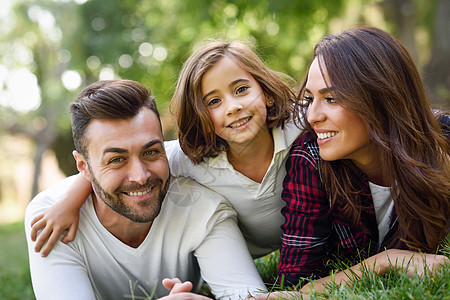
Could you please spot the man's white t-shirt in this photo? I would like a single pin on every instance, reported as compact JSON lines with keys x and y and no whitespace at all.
{"x":258,"y":205}
{"x":194,"y":235}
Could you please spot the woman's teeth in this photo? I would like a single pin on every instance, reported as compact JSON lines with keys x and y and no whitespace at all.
{"x":234,"y":125}
{"x":137,"y":194}
{"x":325,"y":135}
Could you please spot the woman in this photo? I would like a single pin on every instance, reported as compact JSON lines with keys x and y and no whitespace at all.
{"x":369,"y":179}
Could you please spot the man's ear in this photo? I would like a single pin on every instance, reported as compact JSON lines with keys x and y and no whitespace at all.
{"x":82,"y":165}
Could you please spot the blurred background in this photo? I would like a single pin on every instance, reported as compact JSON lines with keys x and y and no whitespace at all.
{"x":51,"y":49}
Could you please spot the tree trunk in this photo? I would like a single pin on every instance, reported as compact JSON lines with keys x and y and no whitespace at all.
{"x":437,"y":71}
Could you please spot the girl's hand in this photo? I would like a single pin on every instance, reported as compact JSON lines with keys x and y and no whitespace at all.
{"x":47,"y":228}
{"x":180,"y":290}
{"x":61,"y":216}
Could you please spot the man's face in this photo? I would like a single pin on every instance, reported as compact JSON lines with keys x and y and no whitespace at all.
{"x":127,"y":165}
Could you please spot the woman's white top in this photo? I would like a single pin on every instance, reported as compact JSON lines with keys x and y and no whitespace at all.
{"x":258,"y":204}
{"x":383,"y":204}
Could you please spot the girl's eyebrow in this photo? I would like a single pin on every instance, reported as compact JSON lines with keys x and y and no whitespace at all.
{"x":230,"y":85}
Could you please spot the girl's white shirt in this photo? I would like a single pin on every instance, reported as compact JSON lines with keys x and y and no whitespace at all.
{"x":258,"y":204}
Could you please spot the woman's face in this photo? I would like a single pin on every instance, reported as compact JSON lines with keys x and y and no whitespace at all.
{"x":341,"y":134}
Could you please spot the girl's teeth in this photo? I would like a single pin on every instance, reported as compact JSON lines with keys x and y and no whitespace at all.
{"x":325,"y":135}
{"x":240,"y":123}
{"x":137,"y":194}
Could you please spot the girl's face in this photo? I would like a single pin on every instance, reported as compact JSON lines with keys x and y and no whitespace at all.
{"x":341,"y":134}
{"x":235,"y":102}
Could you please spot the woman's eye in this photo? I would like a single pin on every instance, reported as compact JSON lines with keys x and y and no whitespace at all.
{"x":307,"y":99}
{"x":213,"y":101}
{"x":330,"y":99}
{"x":241,"y":89}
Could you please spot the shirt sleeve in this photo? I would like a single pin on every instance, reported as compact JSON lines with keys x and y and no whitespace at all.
{"x":307,"y":224}
{"x":224,"y":260}
{"x":60,"y":275}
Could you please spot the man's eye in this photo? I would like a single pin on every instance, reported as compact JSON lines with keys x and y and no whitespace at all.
{"x":116,"y":160}
{"x":213,"y":101}
{"x":150,"y":152}
{"x":241,"y":89}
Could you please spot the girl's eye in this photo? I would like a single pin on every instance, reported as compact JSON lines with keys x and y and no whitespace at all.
{"x":213,"y":101}
{"x":241,"y":89}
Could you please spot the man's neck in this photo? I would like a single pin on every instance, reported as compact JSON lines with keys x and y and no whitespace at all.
{"x":128,"y":232}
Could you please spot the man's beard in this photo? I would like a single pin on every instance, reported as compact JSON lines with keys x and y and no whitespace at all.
{"x":148,"y":212}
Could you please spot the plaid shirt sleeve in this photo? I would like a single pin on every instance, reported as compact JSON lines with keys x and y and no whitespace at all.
{"x":307,"y":226}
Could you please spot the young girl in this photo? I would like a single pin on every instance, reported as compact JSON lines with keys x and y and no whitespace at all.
{"x":372,"y":170}
{"x":234,"y":116}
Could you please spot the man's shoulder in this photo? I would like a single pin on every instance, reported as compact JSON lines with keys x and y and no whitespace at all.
{"x":53,"y":193}
{"x":185,"y":192}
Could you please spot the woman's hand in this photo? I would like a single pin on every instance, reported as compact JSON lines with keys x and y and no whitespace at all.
{"x":411,"y":262}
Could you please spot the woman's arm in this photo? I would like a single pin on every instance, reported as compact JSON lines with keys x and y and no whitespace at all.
{"x":307,"y":218}
{"x":64,"y":214}
{"x":406,"y":261}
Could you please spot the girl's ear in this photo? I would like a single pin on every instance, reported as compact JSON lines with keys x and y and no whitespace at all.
{"x":269,"y":101}
{"x":82,"y":165}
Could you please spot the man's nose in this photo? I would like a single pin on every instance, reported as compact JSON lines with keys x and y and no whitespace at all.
{"x":138,"y":171}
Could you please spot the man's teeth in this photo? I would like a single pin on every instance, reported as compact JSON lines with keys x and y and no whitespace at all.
{"x":234,"y":125}
{"x":137,"y":194}
{"x":325,"y":135}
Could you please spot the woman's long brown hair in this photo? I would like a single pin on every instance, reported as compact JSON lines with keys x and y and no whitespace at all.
{"x":373,"y":75}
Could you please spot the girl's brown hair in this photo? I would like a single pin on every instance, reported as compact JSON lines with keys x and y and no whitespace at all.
{"x":373,"y":75}
{"x":196,"y":130}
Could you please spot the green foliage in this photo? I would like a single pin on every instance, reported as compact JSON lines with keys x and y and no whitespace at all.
{"x":15,"y":281}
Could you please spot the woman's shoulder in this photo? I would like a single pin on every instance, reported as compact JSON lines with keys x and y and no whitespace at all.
{"x":305,"y":148}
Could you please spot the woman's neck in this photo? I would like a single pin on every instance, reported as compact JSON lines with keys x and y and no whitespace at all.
{"x":374,"y":172}
{"x":254,"y":158}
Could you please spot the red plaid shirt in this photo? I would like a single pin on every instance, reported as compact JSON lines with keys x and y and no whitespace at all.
{"x":313,"y":231}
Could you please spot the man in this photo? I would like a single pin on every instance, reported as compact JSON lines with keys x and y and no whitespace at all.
{"x":139,"y":226}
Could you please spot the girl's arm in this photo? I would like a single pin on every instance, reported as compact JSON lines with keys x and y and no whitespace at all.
{"x":64,"y":214}
{"x":407,"y":261}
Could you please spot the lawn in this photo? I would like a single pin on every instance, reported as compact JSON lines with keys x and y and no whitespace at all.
{"x":15,"y":282}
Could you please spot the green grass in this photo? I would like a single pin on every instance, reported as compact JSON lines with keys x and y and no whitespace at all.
{"x":393,"y":285}
{"x":15,"y":281}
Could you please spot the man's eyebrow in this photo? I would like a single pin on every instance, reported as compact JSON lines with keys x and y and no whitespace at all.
{"x":114,"y":150}
{"x":122,"y":151}
{"x":151,"y":143}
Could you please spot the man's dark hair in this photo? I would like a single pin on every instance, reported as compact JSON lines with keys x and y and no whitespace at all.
{"x":108,"y":100}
